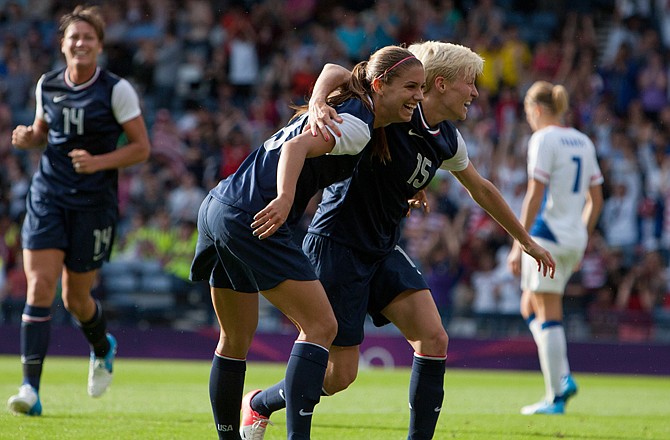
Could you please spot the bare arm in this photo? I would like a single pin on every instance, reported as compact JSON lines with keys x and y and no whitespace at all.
{"x":291,"y":161}
{"x":489,"y":198}
{"x":137,"y":150}
{"x":593,"y":207}
{"x":529,"y":209}
{"x":321,"y":115}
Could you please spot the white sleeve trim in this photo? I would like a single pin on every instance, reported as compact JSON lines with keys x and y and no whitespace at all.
{"x":125,"y":102}
{"x":460,"y":160}
{"x":39,"y":105}
{"x":355,"y":136}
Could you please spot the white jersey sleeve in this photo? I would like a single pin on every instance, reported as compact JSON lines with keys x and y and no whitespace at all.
{"x":460,"y":160}
{"x":125,"y":102}
{"x":355,"y":136}
{"x":39,"y":105}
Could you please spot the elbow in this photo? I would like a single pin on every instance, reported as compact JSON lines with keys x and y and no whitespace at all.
{"x":143,"y":153}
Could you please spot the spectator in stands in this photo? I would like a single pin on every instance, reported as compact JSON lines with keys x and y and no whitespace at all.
{"x":184,"y":200}
{"x":642,"y":291}
{"x":619,"y":221}
{"x":13,"y":290}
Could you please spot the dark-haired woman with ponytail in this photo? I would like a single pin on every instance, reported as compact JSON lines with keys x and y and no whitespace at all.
{"x":246,"y":247}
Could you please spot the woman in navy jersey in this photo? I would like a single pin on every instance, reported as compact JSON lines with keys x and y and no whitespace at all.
{"x":561,"y":208}
{"x":353,"y":238}
{"x":241,"y":254}
{"x":72,"y":206}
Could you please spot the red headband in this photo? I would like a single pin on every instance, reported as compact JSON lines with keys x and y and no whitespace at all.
{"x":394,"y":66}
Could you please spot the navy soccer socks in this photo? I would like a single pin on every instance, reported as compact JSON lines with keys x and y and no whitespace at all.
{"x":426,"y":393}
{"x":226,"y":385}
{"x":305,"y":372}
{"x":95,"y":331}
{"x":35,"y":334}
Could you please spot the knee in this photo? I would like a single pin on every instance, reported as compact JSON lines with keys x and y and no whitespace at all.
{"x":234,"y":344}
{"x":322,"y":331}
{"x":435,"y":343}
{"x":76,"y":307}
{"x":339,"y":379}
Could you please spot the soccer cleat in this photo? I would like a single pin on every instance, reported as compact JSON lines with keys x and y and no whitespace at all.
{"x":253,"y":424}
{"x":100,"y":370}
{"x":26,"y":402}
{"x":568,"y":388}
{"x":544,"y":407}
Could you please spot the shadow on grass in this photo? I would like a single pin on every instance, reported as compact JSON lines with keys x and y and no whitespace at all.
{"x":482,"y":433}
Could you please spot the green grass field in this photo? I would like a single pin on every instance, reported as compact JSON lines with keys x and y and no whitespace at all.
{"x":153,"y":399}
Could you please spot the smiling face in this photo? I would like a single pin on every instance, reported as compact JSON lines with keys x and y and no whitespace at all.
{"x":396,"y":100}
{"x":81,"y":46}
{"x":457,"y":96}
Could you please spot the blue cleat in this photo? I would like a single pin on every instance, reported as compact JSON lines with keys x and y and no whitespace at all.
{"x":569,"y":388}
{"x":100,"y":370}
{"x":27,"y":402}
{"x":549,"y":408}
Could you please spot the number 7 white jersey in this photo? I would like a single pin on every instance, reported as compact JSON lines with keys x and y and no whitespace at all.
{"x":564,"y":159}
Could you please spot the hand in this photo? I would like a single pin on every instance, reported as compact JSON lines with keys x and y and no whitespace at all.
{"x":82,"y":161}
{"x":545,"y":262}
{"x":321,"y":115}
{"x":270,"y":218}
{"x":419,"y":201}
{"x":22,"y":136}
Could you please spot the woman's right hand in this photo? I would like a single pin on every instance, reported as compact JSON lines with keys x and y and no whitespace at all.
{"x":22,"y":136}
{"x":321,"y":115}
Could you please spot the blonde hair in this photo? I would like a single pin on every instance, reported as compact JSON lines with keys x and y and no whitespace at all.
{"x":554,"y":97}
{"x":447,"y":60}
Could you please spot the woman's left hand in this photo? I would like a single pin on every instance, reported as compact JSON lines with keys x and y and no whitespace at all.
{"x":82,"y":161}
{"x":270,"y":218}
{"x":419,"y":201}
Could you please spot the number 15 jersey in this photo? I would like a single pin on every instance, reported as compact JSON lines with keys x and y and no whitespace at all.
{"x":365,"y":211}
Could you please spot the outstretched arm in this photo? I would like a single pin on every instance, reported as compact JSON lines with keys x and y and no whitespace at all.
{"x":489,"y":198}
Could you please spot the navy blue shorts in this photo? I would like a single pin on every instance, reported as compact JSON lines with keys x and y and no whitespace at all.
{"x":395,"y":274}
{"x":229,"y":256}
{"x":358,"y":284}
{"x":86,"y":237}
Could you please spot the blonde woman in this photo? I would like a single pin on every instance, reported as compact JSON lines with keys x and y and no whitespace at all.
{"x":561,"y":208}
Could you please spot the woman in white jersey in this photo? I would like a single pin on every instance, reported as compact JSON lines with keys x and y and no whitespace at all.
{"x":561,"y":208}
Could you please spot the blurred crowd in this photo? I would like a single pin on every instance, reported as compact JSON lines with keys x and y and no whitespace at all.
{"x":216,"y":78}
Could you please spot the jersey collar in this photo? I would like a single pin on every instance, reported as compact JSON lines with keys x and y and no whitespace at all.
{"x":433,"y":131}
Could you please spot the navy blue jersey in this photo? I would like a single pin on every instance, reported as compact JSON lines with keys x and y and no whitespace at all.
{"x":364,"y":212}
{"x":85,"y":116}
{"x":254,"y":184}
